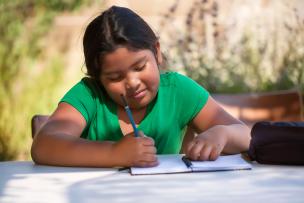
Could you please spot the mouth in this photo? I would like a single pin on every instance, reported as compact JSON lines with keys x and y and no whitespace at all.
{"x":139,"y":94}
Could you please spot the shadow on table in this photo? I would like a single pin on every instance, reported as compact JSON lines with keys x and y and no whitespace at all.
{"x":19,"y":170}
{"x":262,"y":185}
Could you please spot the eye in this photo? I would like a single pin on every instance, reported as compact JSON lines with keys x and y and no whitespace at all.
{"x":116,"y":77}
{"x":140,"y":68}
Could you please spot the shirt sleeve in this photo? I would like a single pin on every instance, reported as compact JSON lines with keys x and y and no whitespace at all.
{"x":191,"y":96}
{"x":82,"y":98}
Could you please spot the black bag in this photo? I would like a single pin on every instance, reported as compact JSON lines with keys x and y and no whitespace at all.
{"x":277,"y":143}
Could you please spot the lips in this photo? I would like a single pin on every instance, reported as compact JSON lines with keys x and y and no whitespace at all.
{"x":138,"y":94}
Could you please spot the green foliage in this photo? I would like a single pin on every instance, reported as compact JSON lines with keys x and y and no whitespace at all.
{"x":27,"y":85}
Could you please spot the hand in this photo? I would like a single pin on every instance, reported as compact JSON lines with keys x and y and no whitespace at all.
{"x":207,"y":145}
{"x":135,"y":151}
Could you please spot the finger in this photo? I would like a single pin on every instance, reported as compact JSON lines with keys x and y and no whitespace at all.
{"x":214,"y":154}
{"x":149,"y":157}
{"x":147,"y":164}
{"x":150,"y":150}
{"x":147,"y":150}
{"x":141,"y":133}
{"x":196,"y":149}
{"x":189,"y":148}
{"x":148,"y":141}
{"x":205,"y":153}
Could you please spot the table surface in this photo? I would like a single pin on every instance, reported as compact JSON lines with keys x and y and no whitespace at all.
{"x":23,"y":181}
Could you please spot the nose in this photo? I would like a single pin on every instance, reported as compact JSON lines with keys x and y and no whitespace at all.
{"x":132,"y":82}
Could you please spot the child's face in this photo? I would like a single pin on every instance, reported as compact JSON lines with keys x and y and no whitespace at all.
{"x":132,"y":73}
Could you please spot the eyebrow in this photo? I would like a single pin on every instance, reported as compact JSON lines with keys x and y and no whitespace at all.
{"x":134,"y":64}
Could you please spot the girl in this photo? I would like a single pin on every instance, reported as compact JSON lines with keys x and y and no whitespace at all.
{"x":90,"y":126}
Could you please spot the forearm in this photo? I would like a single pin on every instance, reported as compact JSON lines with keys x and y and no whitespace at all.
{"x":66,"y":150}
{"x":238,"y":138}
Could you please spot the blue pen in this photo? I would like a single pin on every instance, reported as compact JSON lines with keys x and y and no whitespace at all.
{"x":129,"y":115}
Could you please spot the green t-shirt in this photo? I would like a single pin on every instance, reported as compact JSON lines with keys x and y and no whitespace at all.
{"x":178,"y":101}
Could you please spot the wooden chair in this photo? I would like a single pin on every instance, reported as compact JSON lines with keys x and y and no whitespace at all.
{"x":37,"y":122}
{"x":273,"y":106}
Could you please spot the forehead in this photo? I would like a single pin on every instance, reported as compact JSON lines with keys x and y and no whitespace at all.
{"x":123,"y":57}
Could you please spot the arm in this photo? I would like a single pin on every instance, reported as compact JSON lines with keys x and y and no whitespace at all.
{"x":218,"y":132}
{"x":59,"y":143}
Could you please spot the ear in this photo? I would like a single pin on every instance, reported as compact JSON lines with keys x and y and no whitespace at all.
{"x":159,"y":57}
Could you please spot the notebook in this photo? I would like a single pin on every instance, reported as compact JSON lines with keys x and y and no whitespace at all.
{"x":175,"y":163}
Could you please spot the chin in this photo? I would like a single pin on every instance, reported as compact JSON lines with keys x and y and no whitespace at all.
{"x":140,"y":105}
{"x":144,"y":102}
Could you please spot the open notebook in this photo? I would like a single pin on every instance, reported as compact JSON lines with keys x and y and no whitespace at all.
{"x":174,"y":163}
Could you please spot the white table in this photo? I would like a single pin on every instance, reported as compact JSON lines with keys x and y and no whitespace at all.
{"x":27,"y":182}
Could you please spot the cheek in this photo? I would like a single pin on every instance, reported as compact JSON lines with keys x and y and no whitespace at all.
{"x":153,"y":79}
{"x":155,"y":82}
{"x":114,"y":89}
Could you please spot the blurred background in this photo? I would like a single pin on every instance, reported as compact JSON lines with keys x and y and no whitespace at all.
{"x":235,"y":46}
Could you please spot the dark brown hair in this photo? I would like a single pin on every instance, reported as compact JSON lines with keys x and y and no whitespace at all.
{"x":113,"y":28}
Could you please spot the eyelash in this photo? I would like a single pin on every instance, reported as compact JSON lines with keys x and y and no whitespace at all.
{"x":120,"y":76}
{"x":115,"y":78}
{"x":140,"y":68}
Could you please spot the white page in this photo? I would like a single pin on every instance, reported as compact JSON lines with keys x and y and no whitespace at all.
{"x":173,"y":163}
{"x":170,"y":163}
{"x":229,"y":162}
